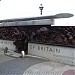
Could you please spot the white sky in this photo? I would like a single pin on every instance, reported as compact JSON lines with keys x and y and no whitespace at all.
{"x":30,"y":8}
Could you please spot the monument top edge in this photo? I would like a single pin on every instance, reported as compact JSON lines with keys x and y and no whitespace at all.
{"x":57,"y":16}
{"x":63,"y":45}
{"x":28,"y":19}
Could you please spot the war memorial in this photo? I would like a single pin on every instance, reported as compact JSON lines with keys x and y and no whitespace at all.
{"x":35,"y":36}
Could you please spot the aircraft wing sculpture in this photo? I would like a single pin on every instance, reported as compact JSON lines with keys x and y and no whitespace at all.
{"x":57,"y":16}
{"x":42,"y":20}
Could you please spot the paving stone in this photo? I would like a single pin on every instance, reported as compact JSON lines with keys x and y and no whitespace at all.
{"x":48,"y":68}
{"x":18,"y":66}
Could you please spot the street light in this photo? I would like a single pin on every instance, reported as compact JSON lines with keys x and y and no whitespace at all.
{"x":41,"y":8}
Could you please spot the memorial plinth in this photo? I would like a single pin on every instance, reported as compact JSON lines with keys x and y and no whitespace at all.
{"x":7,"y":43}
{"x":57,"y":53}
{"x":60,"y":54}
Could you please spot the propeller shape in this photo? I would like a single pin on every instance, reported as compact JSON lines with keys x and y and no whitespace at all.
{"x":64,"y":15}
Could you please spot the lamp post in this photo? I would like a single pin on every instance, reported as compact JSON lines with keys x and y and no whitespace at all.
{"x":41,"y":8}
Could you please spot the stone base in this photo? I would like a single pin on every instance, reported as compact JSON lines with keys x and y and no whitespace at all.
{"x":55,"y":53}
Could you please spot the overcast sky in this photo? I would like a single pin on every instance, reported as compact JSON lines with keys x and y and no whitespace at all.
{"x":30,"y":8}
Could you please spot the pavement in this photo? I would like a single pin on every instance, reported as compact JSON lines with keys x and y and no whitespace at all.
{"x":4,"y":58}
{"x":18,"y":66}
{"x":50,"y":68}
{"x":12,"y":64}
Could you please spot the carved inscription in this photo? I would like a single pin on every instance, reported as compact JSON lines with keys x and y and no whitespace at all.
{"x":6,"y":42}
{"x":44,"y":48}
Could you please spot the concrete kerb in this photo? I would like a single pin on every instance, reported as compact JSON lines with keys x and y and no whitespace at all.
{"x":33,"y":56}
{"x":18,"y":55}
{"x":11,"y":55}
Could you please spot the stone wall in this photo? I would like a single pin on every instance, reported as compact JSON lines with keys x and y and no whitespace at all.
{"x":51,"y":52}
{"x":7,"y":43}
